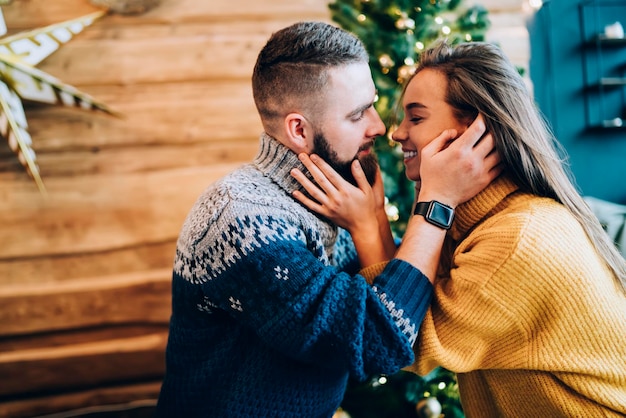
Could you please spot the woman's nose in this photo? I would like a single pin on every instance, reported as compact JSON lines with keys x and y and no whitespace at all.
{"x":398,"y":134}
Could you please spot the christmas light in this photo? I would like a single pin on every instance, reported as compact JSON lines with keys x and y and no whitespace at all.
{"x":392,"y":211}
{"x":385,"y":61}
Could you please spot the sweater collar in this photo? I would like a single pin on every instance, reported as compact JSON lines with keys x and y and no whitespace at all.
{"x":468,"y":214}
{"x":276,"y":161}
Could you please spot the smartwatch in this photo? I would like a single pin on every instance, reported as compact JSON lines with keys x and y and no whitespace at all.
{"x":435,"y":213}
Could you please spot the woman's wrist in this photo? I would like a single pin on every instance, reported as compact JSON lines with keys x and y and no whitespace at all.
{"x":426,"y":196}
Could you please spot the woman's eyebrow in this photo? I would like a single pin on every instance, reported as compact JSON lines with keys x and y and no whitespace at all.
{"x":415,"y":105}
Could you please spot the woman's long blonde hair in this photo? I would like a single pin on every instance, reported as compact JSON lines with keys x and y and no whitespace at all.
{"x":482,"y":80}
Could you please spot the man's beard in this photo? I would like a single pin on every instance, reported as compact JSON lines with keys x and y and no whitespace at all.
{"x":369,"y":162}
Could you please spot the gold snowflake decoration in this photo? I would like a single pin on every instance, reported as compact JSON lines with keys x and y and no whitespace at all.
{"x":21,"y":81}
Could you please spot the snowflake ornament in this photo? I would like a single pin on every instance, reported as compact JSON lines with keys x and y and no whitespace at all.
{"x":21,"y":81}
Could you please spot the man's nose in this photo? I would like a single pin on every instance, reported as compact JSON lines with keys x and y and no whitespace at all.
{"x":378,"y":127}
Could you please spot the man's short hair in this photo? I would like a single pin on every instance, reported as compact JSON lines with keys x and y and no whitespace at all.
{"x":291,"y":70}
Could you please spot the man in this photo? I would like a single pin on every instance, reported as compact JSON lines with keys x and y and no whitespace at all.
{"x":269,"y":316}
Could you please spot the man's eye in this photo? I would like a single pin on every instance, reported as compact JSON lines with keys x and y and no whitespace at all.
{"x":359,"y":116}
{"x":415,"y":119}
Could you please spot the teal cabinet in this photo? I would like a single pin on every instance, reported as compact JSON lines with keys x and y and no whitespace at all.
{"x":578,"y":71}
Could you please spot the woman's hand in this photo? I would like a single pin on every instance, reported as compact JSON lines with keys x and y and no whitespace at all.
{"x":356,"y":209}
{"x":453,"y":170}
{"x":352,"y":208}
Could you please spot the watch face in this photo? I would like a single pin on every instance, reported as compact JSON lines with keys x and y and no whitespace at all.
{"x":440,"y":214}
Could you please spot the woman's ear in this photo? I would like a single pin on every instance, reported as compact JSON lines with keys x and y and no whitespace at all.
{"x":299,"y":133}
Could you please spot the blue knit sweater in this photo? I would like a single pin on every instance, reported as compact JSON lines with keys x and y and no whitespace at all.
{"x":269,"y":318}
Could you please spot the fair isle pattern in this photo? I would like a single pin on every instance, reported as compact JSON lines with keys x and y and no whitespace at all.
{"x":235,"y":304}
{"x":269,"y":217}
{"x":281,"y":274}
{"x":206,"y":305}
{"x":408,"y":327}
{"x":214,"y":256}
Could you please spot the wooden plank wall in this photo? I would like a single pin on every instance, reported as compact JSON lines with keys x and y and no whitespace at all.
{"x":85,"y":271}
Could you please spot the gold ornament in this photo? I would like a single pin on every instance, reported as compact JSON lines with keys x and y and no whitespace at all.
{"x":428,"y":408}
{"x":405,"y":72}
{"x":385,"y":61}
{"x":20,"y":80}
{"x":392,"y":211}
{"x":405,"y":23}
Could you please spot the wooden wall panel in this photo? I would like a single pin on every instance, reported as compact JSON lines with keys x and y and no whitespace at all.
{"x":85,"y":271}
{"x":62,"y":267}
{"x":77,"y":366}
{"x":102,"y":301}
{"x":125,"y":398}
{"x":101,"y":212}
{"x":148,"y":53}
{"x":183,"y":113}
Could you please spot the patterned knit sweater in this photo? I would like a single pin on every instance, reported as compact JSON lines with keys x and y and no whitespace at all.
{"x":269,"y":318}
{"x":529,"y":317}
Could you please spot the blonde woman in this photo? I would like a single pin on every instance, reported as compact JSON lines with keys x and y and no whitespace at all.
{"x":529,"y":306}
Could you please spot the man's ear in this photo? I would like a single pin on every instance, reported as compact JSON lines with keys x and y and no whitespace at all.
{"x":299,"y":132}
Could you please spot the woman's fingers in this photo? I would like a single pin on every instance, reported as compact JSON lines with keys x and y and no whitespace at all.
{"x":322,"y":172}
{"x":319,"y":176}
{"x":323,"y":193}
{"x":316,"y":205}
{"x":475,"y":133}
{"x":378,"y":189}
{"x":309,"y":203}
{"x":311,"y":188}
{"x":359,"y":175}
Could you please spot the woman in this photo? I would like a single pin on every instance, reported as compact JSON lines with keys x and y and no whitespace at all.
{"x":530,"y":301}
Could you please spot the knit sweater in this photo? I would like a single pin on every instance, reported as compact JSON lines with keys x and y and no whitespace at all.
{"x":529,"y":317}
{"x":269,"y":317}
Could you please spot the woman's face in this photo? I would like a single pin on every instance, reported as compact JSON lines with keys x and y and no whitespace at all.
{"x":426,"y":116}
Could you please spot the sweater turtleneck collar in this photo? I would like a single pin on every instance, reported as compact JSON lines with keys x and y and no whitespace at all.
{"x":476,"y":209}
{"x":276,"y":161}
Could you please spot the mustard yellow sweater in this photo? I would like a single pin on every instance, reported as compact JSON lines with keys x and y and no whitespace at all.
{"x":528,"y":316}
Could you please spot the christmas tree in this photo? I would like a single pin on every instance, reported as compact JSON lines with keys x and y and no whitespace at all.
{"x":394,"y":33}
